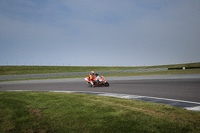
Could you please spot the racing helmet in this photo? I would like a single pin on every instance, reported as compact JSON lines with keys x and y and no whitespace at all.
{"x":92,"y":72}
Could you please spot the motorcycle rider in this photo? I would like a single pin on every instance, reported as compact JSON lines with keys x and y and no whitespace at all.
{"x":91,"y":78}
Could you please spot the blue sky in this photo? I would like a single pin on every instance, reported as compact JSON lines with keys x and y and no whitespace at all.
{"x":99,"y":32}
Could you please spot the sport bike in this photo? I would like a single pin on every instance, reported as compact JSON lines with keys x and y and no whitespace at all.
{"x":98,"y":81}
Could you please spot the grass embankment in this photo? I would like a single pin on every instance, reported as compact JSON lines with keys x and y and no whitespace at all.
{"x":21,"y":70}
{"x":62,"y":112}
{"x":167,"y":72}
{"x":170,"y":72}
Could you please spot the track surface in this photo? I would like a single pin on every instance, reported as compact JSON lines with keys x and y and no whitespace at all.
{"x":180,"y":87}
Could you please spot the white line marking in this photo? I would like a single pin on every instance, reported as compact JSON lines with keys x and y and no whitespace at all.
{"x":63,"y":91}
{"x":172,"y":100}
{"x":197,"y":108}
{"x":136,"y":96}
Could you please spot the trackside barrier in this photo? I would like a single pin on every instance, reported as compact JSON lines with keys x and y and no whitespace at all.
{"x":183,"y":68}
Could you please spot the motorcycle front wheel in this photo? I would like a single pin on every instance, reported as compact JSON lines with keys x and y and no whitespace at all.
{"x":107,"y":84}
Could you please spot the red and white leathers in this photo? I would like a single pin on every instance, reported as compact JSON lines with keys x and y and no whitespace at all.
{"x":92,"y":75}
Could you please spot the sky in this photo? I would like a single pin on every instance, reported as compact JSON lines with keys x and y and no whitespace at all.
{"x":99,"y":32}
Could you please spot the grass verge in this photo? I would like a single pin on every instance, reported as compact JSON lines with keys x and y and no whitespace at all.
{"x":21,"y":70}
{"x":63,"y":112}
{"x":168,"y":72}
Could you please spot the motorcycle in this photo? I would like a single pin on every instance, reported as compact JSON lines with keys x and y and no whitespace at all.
{"x":98,"y":81}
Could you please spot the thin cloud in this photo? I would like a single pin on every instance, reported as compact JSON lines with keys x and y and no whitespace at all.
{"x":124,"y":32}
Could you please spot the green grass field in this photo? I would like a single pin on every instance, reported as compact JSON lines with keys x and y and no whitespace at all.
{"x":171,"y":72}
{"x":21,"y":70}
{"x":62,"y":112}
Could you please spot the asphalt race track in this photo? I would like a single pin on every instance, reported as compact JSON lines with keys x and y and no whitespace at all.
{"x":180,"y":87}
